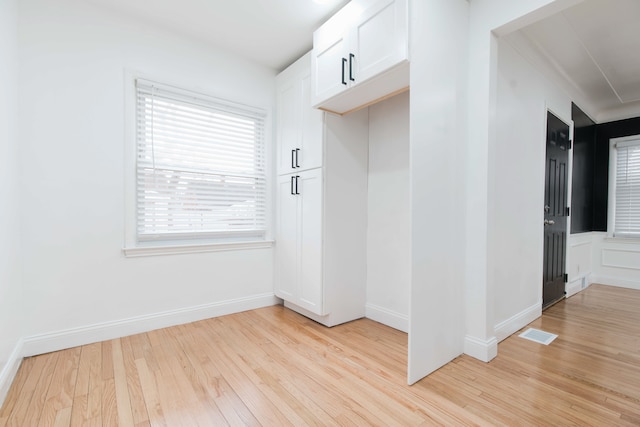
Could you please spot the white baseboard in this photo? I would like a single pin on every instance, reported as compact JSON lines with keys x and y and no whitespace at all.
{"x":54,"y":341}
{"x":10,"y":370}
{"x":579,"y":284}
{"x":615,"y":281}
{"x":387,"y":317}
{"x":483,"y":350}
{"x":515,"y":323}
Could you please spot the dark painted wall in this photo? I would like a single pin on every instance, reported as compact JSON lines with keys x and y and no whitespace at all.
{"x":604,"y":132}
{"x":584,"y":143}
{"x":590,"y":186}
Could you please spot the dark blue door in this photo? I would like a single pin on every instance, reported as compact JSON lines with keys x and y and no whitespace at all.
{"x":555,"y":210}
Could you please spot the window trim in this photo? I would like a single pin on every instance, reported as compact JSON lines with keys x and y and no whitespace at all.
{"x":132,"y":246}
{"x":611,"y":198}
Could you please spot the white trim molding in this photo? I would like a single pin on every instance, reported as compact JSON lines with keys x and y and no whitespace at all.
{"x":141,"y":251}
{"x":615,"y":281}
{"x":10,"y":370}
{"x":579,"y":284}
{"x":483,"y":350}
{"x":518,"y":321}
{"x":59,"y":340}
{"x":387,"y":317}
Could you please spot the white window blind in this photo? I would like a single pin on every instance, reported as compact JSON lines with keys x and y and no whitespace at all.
{"x":200,"y":167}
{"x":627,"y":190}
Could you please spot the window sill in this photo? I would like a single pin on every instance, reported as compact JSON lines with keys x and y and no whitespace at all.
{"x":142,"y":251}
{"x":627,"y":240}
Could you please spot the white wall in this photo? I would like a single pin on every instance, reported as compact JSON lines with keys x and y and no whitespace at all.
{"x":388,"y":229}
{"x":73,"y":58}
{"x":516,"y":188}
{"x":488,"y":19}
{"x":11,"y":317}
{"x":438,"y":40}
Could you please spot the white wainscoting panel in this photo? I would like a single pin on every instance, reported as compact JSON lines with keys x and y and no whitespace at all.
{"x":621,"y":258}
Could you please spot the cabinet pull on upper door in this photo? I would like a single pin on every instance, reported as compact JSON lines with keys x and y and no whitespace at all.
{"x":293,"y":153}
{"x":297,"y":177}
{"x":344,"y":63}
{"x":297,"y":155}
{"x":351,"y":58}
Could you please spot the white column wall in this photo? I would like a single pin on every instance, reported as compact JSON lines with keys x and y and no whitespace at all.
{"x":488,"y":19}
{"x":438,"y":38}
{"x":516,"y":189}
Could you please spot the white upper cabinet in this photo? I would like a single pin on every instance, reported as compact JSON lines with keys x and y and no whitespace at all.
{"x":360,"y":55}
{"x":299,"y":127}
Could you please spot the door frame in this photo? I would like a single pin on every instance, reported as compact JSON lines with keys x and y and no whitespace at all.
{"x":569,"y":122}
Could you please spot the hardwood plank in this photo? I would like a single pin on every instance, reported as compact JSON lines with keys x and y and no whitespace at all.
{"x":28,"y":412}
{"x":121,"y":381}
{"x":138,"y":406}
{"x":63,"y":417}
{"x":274,"y":367}
{"x":188,"y":381}
{"x":16,"y":389}
{"x":275,"y":375}
{"x":257,"y":398}
{"x":60,"y":392}
{"x":210,"y":382}
{"x":93,"y":415}
{"x":150,"y":393}
{"x":108,"y":410}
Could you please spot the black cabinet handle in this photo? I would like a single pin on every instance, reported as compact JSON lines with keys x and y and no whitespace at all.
{"x":297,"y":176}
{"x":293,"y":152}
{"x":292,"y":193}
{"x":297,"y":155}
{"x":344,"y":63}
{"x":351,"y":58}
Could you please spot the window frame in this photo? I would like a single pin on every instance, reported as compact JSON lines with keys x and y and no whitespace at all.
{"x":611,"y":199}
{"x":134,"y":247}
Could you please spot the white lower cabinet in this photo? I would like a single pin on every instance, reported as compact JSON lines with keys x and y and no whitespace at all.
{"x":321,"y":227}
{"x":299,"y":242}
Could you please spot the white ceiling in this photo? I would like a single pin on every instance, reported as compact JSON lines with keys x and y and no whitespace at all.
{"x":595,"y":47}
{"x":271,"y":32}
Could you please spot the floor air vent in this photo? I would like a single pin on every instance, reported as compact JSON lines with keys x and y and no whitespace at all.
{"x":538,"y":336}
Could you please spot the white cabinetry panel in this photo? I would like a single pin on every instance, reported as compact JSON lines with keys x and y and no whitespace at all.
{"x":360,"y":55}
{"x":299,"y":127}
{"x":299,"y":243}
{"x":321,"y":211}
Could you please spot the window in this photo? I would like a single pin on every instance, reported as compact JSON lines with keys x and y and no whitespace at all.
{"x":624,"y":190}
{"x":199,"y":166}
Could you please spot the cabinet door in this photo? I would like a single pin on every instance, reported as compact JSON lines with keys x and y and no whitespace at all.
{"x":299,"y":126}
{"x":288,"y":124}
{"x":287,"y":240}
{"x":379,"y":38}
{"x":310,"y":155}
{"x":310,"y":231}
{"x":329,"y":64}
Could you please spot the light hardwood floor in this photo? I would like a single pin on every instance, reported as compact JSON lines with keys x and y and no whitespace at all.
{"x":273,"y":367}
